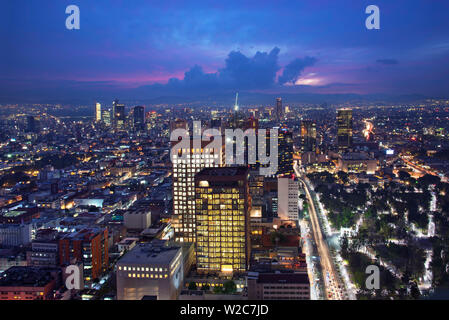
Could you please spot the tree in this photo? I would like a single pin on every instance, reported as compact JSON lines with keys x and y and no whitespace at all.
{"x":217,"y":290}
{"x":229,"y":287}
{"x":192,"y":285}
{"x":206,"y":287}
{"x":427,"y":180}
{"x":343,"y":176}
{"x":403,"y":175}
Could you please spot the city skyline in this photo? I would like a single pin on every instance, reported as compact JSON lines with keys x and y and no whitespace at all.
{"x":230,"y":153}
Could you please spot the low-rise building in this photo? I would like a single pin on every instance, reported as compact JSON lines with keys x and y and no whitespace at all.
{"x":151,"y":269}
{"x":278,"y":286}
{"x":29,"y":283}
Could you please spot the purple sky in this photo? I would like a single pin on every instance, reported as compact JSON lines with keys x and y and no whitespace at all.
{"x":210,"y":47}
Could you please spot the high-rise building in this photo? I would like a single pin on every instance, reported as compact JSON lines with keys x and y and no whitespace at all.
{"x":139,"y":118}
{"x":32,"y":124}
{"x":89,"y":246}
{"x":285,"y":152}
{"x":98,"y":112}
{"x":308,"y":136}
{"x":279,"y":110}
{"x":186,"y":163}
{"x":288,"y":189}
{"x":106,"y":117}
{"x":119,"y":115}
{"x":344,"y":129}
{"x":222,"y":210}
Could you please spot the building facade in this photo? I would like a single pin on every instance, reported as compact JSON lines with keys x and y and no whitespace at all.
{"x":223,"y":204}
{"x":278,"y":286}
{"x":152,"y":269}
{"x":344,"y":129}
{"x":186,"y":163}
{"x":288,"y":193}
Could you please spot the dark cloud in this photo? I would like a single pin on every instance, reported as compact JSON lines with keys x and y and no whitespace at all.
{"x":258,"y":72}
{"x":387,"y":61}
{"x":241,"y":73}
{"x":294,"y":69}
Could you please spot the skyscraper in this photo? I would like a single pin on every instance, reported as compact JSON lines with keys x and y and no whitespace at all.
{"x":285,"y":152}
{"x":139,"y":118}
{"x":223,"y":204}
{"x":106,"y":117}
{"x":308,"y":136}
{"x":344,"y":129}
{"x":279,"y":110}
{"x":118,"y":115}
{"x":32,"y":124}
{"x":98,"y":112}
{"x":186,"y":163}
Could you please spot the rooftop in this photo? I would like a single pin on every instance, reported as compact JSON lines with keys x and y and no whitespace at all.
{"x":155,"y":252}
{"x":279,"y":277}
{"x":19,"y":276}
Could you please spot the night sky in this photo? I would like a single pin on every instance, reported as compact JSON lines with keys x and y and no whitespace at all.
{"x":148,"y":48}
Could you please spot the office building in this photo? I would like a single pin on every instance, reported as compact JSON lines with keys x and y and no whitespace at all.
{"x":278,"y":286}
{"x":137,"y":218}
{"x":98,"y":112}
{"x":308,"y":136}
{"x":186,"y":163}
{"x":223,"y":204}
{"x":285,"y":152}
{"x":119,"y":115}
{"x":106,"y":117}
{"x":15,"y":234}
{"x":139,"y":118}
{"x":32,"y":124}
{"x":357,"y":163}
{"x":89,"y":246}
{"x":288,"y":189}
{"x":344,"y":129}
{"x":279,"y":110}
{"x":153,"y":270}
{"x":43,"y":253}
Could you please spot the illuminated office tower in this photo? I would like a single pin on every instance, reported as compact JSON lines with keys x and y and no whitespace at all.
{"x":139,"y":118}
{"x":223,"y":204}
{"x":344,"y":129}
{"x":186,"y":163}
{"x":308,"y":136}
{"x":285,"y":152}
{"x":98,"y":112}
{"x":106,"y":117}
{"x":279,"y":110}
{"x":118,"y":115}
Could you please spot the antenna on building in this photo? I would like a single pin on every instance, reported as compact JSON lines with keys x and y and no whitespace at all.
{"x":236,"y":105}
